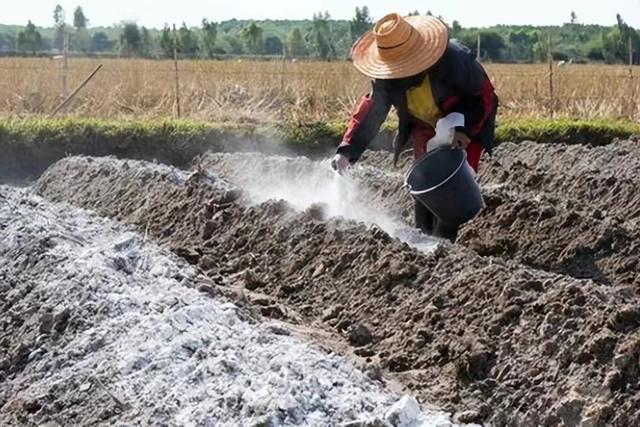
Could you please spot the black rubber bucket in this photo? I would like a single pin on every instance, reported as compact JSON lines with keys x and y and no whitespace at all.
{"x":443,"y":181}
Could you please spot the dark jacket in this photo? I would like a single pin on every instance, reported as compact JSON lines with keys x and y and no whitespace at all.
{"x":458,"y":83}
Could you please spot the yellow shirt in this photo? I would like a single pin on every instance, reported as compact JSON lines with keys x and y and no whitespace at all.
{"x":422,"y":104}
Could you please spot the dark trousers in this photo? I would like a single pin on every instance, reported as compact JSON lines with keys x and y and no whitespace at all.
{"x":430,"y":225}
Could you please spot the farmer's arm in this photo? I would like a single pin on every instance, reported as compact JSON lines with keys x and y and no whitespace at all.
{"x":365,"y":122}
{"x":476,"y":93}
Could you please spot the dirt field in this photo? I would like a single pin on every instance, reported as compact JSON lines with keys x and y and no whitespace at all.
{"x":532,"y":318}
{"x":99,"y":326}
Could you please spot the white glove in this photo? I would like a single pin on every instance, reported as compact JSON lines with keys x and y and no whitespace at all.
{"x":445,"y":130}
{"x":340,"y":163}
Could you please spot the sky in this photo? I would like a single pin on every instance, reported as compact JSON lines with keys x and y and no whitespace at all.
{"x":470,"y":13}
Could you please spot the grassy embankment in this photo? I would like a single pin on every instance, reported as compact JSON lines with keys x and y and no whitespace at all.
{"x":28,"y":146}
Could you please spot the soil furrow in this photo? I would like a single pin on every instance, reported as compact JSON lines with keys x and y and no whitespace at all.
{"x":544,"y":230}
{"x":510,"y":344}
{"x":598,"y":178}
{"x":99,"y":326}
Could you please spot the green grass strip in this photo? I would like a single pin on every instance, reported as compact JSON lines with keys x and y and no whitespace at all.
{"x":28,"y":146}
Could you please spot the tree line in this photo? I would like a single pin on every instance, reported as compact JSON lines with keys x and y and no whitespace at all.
{"x":319,"y":37}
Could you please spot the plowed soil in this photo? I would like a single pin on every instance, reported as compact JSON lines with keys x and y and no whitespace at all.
{"x":99,"y":326}
{"x":525,"y":322}
{"x":535,"y":214}
{"x":595,"y":178}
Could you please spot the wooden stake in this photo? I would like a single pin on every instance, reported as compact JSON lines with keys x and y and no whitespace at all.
{"x":65,"y":65}
{"x":550,"y":59}
{"x":632,"y":95}
{"x":284,"y":63}
{"x":630,"y":58}
{"x":176,"y":74}
{"x":78,"y":89}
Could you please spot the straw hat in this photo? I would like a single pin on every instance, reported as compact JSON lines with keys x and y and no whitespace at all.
{"x":400,"y":47}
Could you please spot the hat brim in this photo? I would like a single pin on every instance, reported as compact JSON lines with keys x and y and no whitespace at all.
{"x":423,"y":52}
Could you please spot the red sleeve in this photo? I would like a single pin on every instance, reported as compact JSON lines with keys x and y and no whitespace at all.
{"x":356,"y":118}
{"x":487,"y":103}
{"x":365,"y":122}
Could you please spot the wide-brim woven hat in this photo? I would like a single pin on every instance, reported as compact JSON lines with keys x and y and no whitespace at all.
{"x":400,"y":47}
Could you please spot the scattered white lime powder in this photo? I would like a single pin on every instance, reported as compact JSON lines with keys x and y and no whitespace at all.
{"x":303,"y":182}
{"x":171,"y":354}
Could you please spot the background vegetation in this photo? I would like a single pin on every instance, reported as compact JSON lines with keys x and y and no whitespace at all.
{"x":281,"y":81}
{"x":318,"y":37}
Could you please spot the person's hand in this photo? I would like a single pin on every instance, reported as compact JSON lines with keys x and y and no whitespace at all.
{"x":460,"y":140}
{"x":340,"y":163}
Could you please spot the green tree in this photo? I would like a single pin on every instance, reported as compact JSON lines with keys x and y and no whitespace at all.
{"x":79,"y":19}
{"x":234,"y":44}
{"x":209,"y":34}
{"x":360,"y":23}
{"x":100,"y":42}
{"x":615,"y":43}
{"x":7,"y":42}
{"x":414,"y":13}
{"x":594,"y":50}
{"x":29,"y":39}
{"x":81,"y":39}
{"x":297,"y":47}
{"x":540,"y":50}
{"x":575,"y":40}
{"x":273,"y":46}
{"x":574,"y":17}
{"x":456,"y":29}
{"x":130,"y":40}
{"x":627,"y":33}
{"x":611,"y":43}
{"x":167,"y":42}
{"x":146,"y":42}
{"x":252,"y":36}
{"x":187,"y":41}
{"x":59,"y":26}
{"x":520,"y":45}
{"x":321,"y":36}
{"x":492,"y":44}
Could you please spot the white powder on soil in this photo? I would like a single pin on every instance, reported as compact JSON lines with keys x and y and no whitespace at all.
{"x":172,"y":354}
{"x":303,"y":182}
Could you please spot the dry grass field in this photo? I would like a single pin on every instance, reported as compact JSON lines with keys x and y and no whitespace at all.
{"x":268,"y":91}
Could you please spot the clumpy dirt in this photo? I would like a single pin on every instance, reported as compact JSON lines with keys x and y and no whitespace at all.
{"x":556,"y":235}
{"x":302,"y":182}
{"x":570,"y":209}
{"x":484,"y":337}
{"x":543,"y":229}
{"x":599,"y":178}
{"x":102,"y":327}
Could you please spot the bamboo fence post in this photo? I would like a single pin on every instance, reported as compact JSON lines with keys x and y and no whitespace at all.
{"x":176,"y":72}
{"x":632,"y":87}
{"x":75,"y":92}
{"x":65,"y":66}
{"x":284,"y":63}
{"x":550,"y":60}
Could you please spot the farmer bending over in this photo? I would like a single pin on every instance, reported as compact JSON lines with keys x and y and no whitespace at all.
{"x":426,"y":77}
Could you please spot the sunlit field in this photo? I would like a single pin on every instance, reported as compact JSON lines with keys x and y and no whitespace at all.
{"x":270,"y":91}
